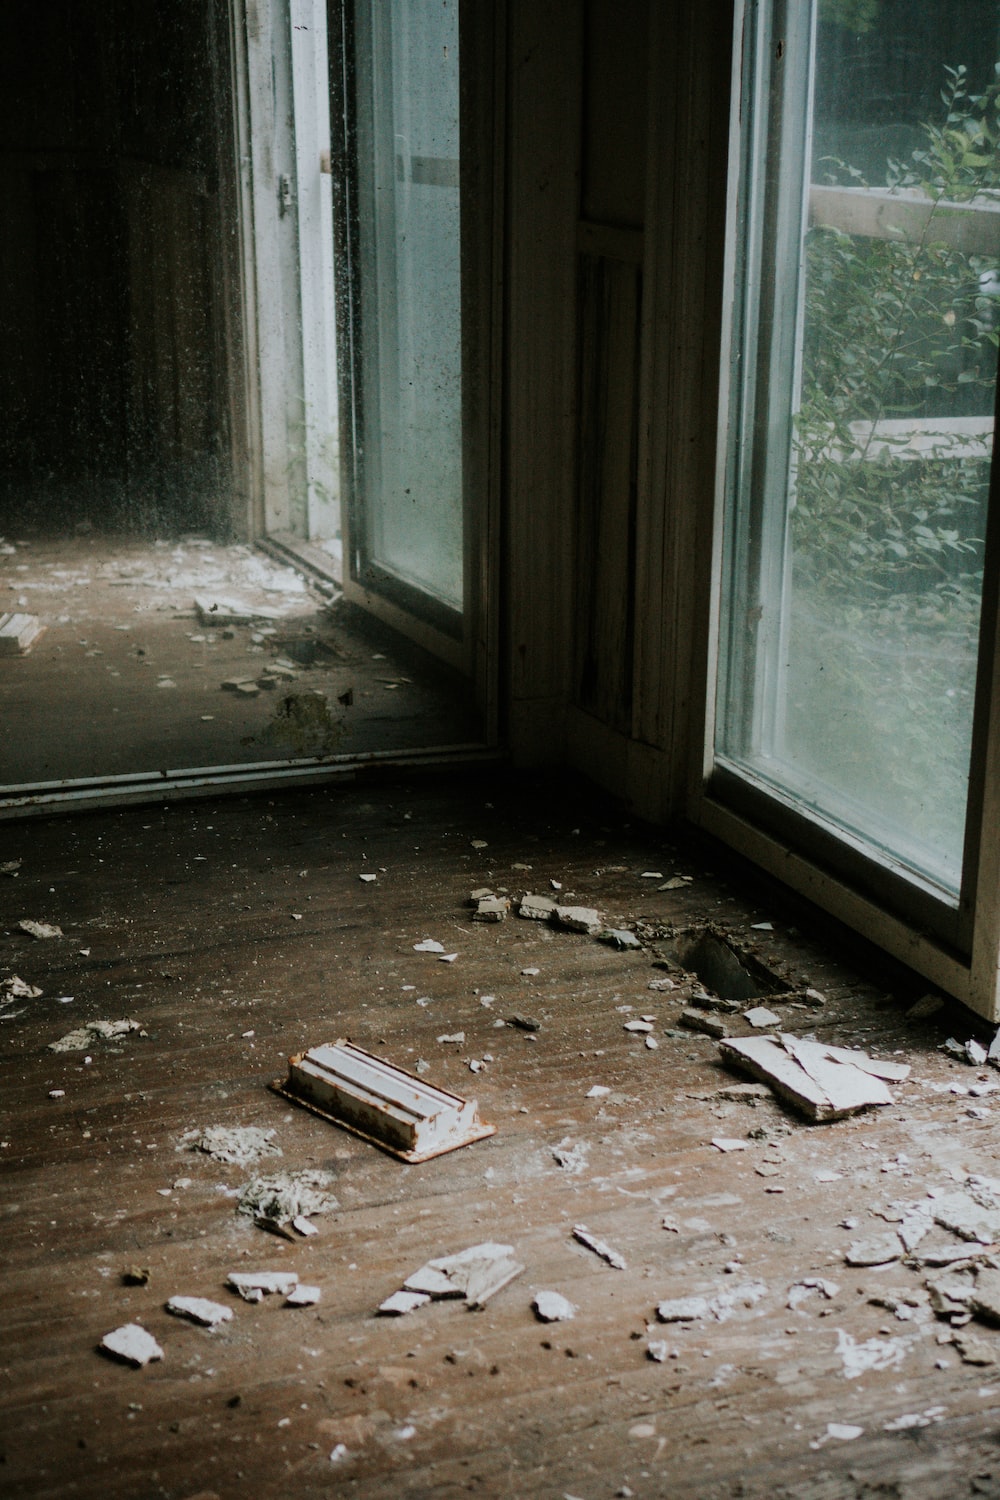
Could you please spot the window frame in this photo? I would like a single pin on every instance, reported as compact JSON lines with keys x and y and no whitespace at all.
{"x":955,"y":946}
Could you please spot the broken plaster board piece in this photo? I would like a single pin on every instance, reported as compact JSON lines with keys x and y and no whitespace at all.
{"x":94,"y":1031}
{"x":846,"y":1086}
{"x":383,"y":1104}
{"x":18,"y":633}
{"x":578,"y":919}
{"x":239,"y":1145}
{"x":278,"y":1198}
{"x":536,"y":908}
{"x":890,"y":1072}
{"x":199,"y":1310}
{"x":303,"y":1296}
{"x":581,"y":1233}
{"x":132,"y":1344}
{"x":491,"y":909}
{"x":40,"y":930}
{"x":402,"y":1302}
{"x":553,"y":1307}
{"x":232,"y":612}
{"x":824,"y":1090}
{"x":252,"y":1285}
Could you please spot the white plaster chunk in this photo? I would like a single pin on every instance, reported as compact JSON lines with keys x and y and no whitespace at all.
{"x":553,"y":1307}
{"x":429,"y":945}
{"x":199,"y":1310}
{"x":683,"y":1309}
{"x":536,"y":908}
{"x":605,"y":1251}
{"x":879,"y":1250}
{"x":874,"y":1354}
{"x":132,"y":1344}
{"x":403,"y":1302}
{"x":491,"y":909}
{"x":263,"y":1282}
{"x":240,"y":1145}
{"x":578,"y":918}
{"x":94,"y":1031}
{"x":303,"y":1296}
{"x":40,"y":929}
{"x":760,"y":1017}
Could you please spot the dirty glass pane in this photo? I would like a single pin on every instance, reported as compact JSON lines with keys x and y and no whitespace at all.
{"x":864,"y":422}
{"x":410,"y":469}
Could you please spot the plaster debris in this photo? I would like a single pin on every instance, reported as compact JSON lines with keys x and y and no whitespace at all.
{"x":825,"y":1083}
{"x":984,"y":1302}
{"x":530,"y":973}
{"x":455,"y":1037}
{"x":199,"y":1310}
{"x":974,"y":1351}
{"x":491,"y":909}
{"x":584,"y":1236}
{"x":801,"y":1291}
{"x":571,"y":1156}
{"x":874,"y":1354}
{"x":598,"y":1091}
{"x":841,"y":1432}
{"x":232,"y":612}
{"x":880,"y":1250}
{"x":726,"y":1143}
{"x":18,"y":633}
{"x":303,"y":1296}
{"x":619,"y":937}
{"x":662,"y":986}
{"x":429,"y":945}
{"x":683,"y":1309}
{"x":641,"y":1027}
{"x":658,"y":1350}
{"x":254,"y":1285}
{"x":285,"y":1196}
{"x":446,"y":958}
{"x":976,"y":1053}
{"x":705,"y":1022}
{"x":132,"y":1344}
{"x":39,"y":929}
{"x":15,"y":988}
{"x":760,"y":1017}
{"x":474,"y":1275}
{"x":402,"y":1302}
{"x":304,"y":1226}
{"x":536,"y":908}
{"x":677,"y":883}
{"x":368,"y":878}
{"x":578,"y":919}
{"x":10,"y":866}
{"x":240,"y":1145}
{"x":523,"y":1023}
{"x":94,"y":1031}
{"x":553,"y":1307}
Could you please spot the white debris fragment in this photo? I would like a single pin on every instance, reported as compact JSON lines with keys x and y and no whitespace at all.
{"x":658,"y":1350}
{"x":39,"y":929}
{"x":368,"y":878}
{"x":57,"y":1093}
{"x":132,"y":1344}
{"x":652,"y":1044}
{"x":677,"y":882}
{"x":578,"y":918}
{"x":199,"y":1310}
{"x":761,"y":926}
{"x":760,"y":1017}
{"x":683,"y":1309}
{"x":429,"y":945}
{"x":598,"y":1091}
{"x":874,"y":1354}
{"x":16,"y":988}
{"x":104,"y":1031}
{"x":283,"y":1196}
{"x":571,"y":1156}
{"x":651,"y":875}
{"x":880,"y":1250}
{"x":641,"y":1027}
{"x":240,"y":1145}
{"x":553,"y":1307}
{"x":456,"y":1038}
{"x":475,"y":1275}
{"x":446,"y":958}
{"x":619,"y":937}
{"x":303,"y":1296}
{"x":975,"y":1052}
{"x":491,"y":909}
{"x":536,"y":908}
{"x":530,"y":973}
{"x":402,"y":1302}
{"x":841,"y":1432}
{"x":800,"y":1291}
{"x":726,"y":1143}
{"x":581,"y":1233}
{"x":826,"y":1083}
{"x":252,"y":1285}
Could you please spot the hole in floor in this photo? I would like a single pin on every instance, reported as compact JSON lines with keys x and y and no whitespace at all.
{"x":723,"y":971}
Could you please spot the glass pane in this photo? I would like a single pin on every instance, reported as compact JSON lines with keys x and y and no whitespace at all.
{"x":410,"y":294}
{"x":866,"y":417}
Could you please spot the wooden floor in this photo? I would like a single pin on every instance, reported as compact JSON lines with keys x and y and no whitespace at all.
{"x":239,"y":931}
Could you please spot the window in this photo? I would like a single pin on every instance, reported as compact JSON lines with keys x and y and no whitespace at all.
{"x":855,"y":638}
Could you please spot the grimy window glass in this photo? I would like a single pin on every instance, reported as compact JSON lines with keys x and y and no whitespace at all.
{"x":410,"y":504}
{"x":862,"y":423}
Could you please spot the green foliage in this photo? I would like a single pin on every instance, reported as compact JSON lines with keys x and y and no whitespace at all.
{"x":898,"y":329}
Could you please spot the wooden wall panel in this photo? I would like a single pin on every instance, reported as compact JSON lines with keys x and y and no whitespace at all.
{"x":610,"y":294}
